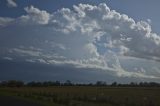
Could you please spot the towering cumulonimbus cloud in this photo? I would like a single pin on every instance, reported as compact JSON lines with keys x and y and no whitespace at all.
{"x":119,"y":30}
{"x":85,"y":36}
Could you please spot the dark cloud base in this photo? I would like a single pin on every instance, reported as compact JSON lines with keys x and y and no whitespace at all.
{"x":26,"y":71}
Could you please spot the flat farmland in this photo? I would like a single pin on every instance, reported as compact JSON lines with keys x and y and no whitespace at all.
{"x":86,"y":95}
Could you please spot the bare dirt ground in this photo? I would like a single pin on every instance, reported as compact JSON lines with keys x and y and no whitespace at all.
{"x":11,"y":101}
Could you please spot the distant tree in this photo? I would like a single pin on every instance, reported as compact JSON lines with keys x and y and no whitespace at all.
{"x":114,"y":84}
{"x":68,"y":83}
{"x":4,"y":83}
{"x":154,"y":84}
{"x":46,"y":84}
{"x":20,"y":83}
{"x":90,"y":84}
{"x":39,"y":84}
{"x":133,"y":84}
{"x":57,"y":83}
{"x":100,"y":83}
{"x":14,"y":83}
{"x":31,"y":84}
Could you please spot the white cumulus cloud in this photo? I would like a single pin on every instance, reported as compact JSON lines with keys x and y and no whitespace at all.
{"x":35,"y":16}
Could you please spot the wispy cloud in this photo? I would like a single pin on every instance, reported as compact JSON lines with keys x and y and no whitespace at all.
{"x":11,"y":3}
{"x":109,"y":63}
{"x":5,"y":21}
{"x":8,"y":58}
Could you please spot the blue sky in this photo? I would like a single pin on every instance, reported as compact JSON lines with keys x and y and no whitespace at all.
{"x":118,"y":38}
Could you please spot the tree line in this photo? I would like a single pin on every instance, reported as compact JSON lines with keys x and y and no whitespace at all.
{"x":16,"y":83}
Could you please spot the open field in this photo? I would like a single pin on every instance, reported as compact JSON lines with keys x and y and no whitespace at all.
{"x":12,"y":101}
{"x":87,"y":96}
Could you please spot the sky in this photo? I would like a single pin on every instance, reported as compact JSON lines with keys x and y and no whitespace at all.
{"x":80,"y":40}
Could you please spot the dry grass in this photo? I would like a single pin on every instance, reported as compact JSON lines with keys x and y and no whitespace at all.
{"x":88,"y":96}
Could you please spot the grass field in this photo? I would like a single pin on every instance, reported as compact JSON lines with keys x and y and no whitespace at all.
{"x":87,"y":96}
